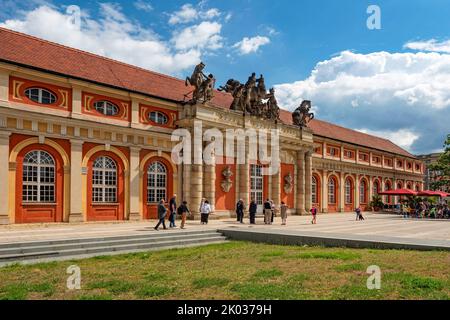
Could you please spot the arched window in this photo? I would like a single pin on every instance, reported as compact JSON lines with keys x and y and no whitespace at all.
{"x":156,"y":182}
{"x":106,"y":107}
{"x":362,"y":192}
{"x":348,"y":191}
{"x":314,"y":190}
{"x":331,"y":191}
{"x":409,"y":187}
{"x":38,"y":177}
{"x":104,"y":180}
{"x":158,"y":117}
{"x":40,"y":95}
{"x":376,"y":188}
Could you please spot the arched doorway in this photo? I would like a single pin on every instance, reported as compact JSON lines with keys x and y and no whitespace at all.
{"x":315,"y":192}
{"x":363,"y":194}
{"x":39,"y":185}
{"x":105,"y":187}
{"x":333,"y":194}
{"x":157,"y":184}
{"x":349,"y":194}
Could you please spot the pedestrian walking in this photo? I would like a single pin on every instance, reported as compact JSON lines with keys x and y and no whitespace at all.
{"x":205,"y":210}
{"x":267,"y":211}
{"x":183,"y":211}
{"x":173,"y":211}
{"x":359,"y":215}
{"x":283,"y":212}
{"x":252,"y":210}
{"x":272,"y":207}
{"x":314,"y":215}
{"x":162,"y":211}
{"x":240,"y":211}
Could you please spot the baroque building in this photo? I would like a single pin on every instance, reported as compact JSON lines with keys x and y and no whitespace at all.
{"x":86,"y":138}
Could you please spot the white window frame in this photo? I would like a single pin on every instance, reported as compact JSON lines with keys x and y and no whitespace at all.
{"x":331,"y":187}
{"x":314,"y":190}
{"x":348,"y":191}
{"x":45,"y":173}
{"x":257,"y":179}
{"x":160,"y":117}
{"x":362,"y":191}
{"x":105,"y":106}
{"x":53,"y":97}
{"x":104,"y":172}
{"x":153,"y":176}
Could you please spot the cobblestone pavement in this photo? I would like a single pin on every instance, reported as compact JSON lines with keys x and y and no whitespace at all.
{"x":343,"y":224}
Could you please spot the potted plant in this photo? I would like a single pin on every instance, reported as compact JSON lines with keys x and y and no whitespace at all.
{"x":376,"y":204}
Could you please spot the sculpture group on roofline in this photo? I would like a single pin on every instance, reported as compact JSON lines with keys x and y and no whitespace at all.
{"x":251,"y":98}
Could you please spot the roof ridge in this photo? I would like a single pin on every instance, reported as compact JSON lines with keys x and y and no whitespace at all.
{"x":88,"y":53}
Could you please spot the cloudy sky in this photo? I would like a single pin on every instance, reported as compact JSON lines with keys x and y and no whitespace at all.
{"x":393,"y":82}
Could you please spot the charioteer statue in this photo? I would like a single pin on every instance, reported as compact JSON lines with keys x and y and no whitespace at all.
{"x":252,"y":98}
{"x":203,"y":85}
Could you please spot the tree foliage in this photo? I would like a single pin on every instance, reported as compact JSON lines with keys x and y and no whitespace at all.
{"x":443,"y":166}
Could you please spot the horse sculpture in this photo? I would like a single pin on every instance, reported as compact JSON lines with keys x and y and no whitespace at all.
{"x":302,"y":115}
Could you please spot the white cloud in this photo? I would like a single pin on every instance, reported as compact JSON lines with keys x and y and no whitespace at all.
{"x":115,"y":36}
{"x":398,"y":95}
{"x":251,"y":45}
{"x":432,"y":45}
{"x":143,"y":5}
{"x":204,"y":35}
{"x":403,"y":137}
{"x":186,"y":14}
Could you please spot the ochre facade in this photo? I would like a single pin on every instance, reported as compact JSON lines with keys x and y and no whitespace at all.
{"x":76,"y":150}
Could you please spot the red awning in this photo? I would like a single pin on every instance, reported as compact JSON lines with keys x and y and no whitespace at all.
{"x":398,"y":192}
{"x":429,"y":193}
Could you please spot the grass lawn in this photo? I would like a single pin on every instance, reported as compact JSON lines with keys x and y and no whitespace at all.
{"x":238,"y":270}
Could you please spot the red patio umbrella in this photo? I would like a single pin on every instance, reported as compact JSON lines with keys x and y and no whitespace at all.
{"x":429,"y":193}
{"x":398,"y":192}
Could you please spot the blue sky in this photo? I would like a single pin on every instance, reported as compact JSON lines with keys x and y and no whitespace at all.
{"x":393,"y":82}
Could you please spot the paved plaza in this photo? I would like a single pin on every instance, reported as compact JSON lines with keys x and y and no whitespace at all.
{"x":376,"y":226}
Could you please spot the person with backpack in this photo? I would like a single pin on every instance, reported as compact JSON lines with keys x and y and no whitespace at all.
{"x":183,"y":211}
{"x":162,"y":211}
{"x":173,"y":211}
{"x":205,"y":210}
{"x":314,"y":215}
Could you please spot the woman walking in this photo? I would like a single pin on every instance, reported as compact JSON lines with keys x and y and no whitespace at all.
{"x":283,"y":212}
{"x":205,"y":210}
{"x":162,"y":211}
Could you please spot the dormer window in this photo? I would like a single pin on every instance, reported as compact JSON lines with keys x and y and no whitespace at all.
{"x":106,"y":107}
{"x":158,"y":117}
{"x":40,"y":95}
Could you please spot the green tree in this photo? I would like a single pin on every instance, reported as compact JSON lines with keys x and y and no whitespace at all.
{"x":443,"y":166}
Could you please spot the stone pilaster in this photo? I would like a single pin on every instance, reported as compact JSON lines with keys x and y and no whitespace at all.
{"x":276,"y":188}
{"x":196,"y":192}
{"x":76,"y":101}
{"x":308,"y":180}
{"x":76,"y":186}
{"x":209,"y":183}
{"x":4,"y":86}
{"x":325,"y":191}
{"x":342,"y":192}
{"x":358,"y":177}
{"x":300,"y":195}
{"x":135,"y":176}
{"x":244,"y":182}
{"x":4,"y":177}
{"x":370,"y":193}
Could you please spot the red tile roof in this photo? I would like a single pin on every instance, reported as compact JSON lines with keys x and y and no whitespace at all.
{"x":22,"y":49}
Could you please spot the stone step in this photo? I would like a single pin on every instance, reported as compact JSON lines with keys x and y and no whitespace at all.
{"x":91,"y":243}
{"x":150,"y":234}
{"x":105,"y":250}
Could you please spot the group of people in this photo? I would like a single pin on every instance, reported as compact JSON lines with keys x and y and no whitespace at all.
{"x":182,"y":211}
{"x":424,"y":209}
{"x":269,"y":208}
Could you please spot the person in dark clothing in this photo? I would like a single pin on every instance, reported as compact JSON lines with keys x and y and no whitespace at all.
{"x":173,"y":211}
{"x":183,"y":211}
{"x":240,"y":211}
{"x":162,"y":211}
{"x":253,"y":209}
{"x":267,"y":212}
